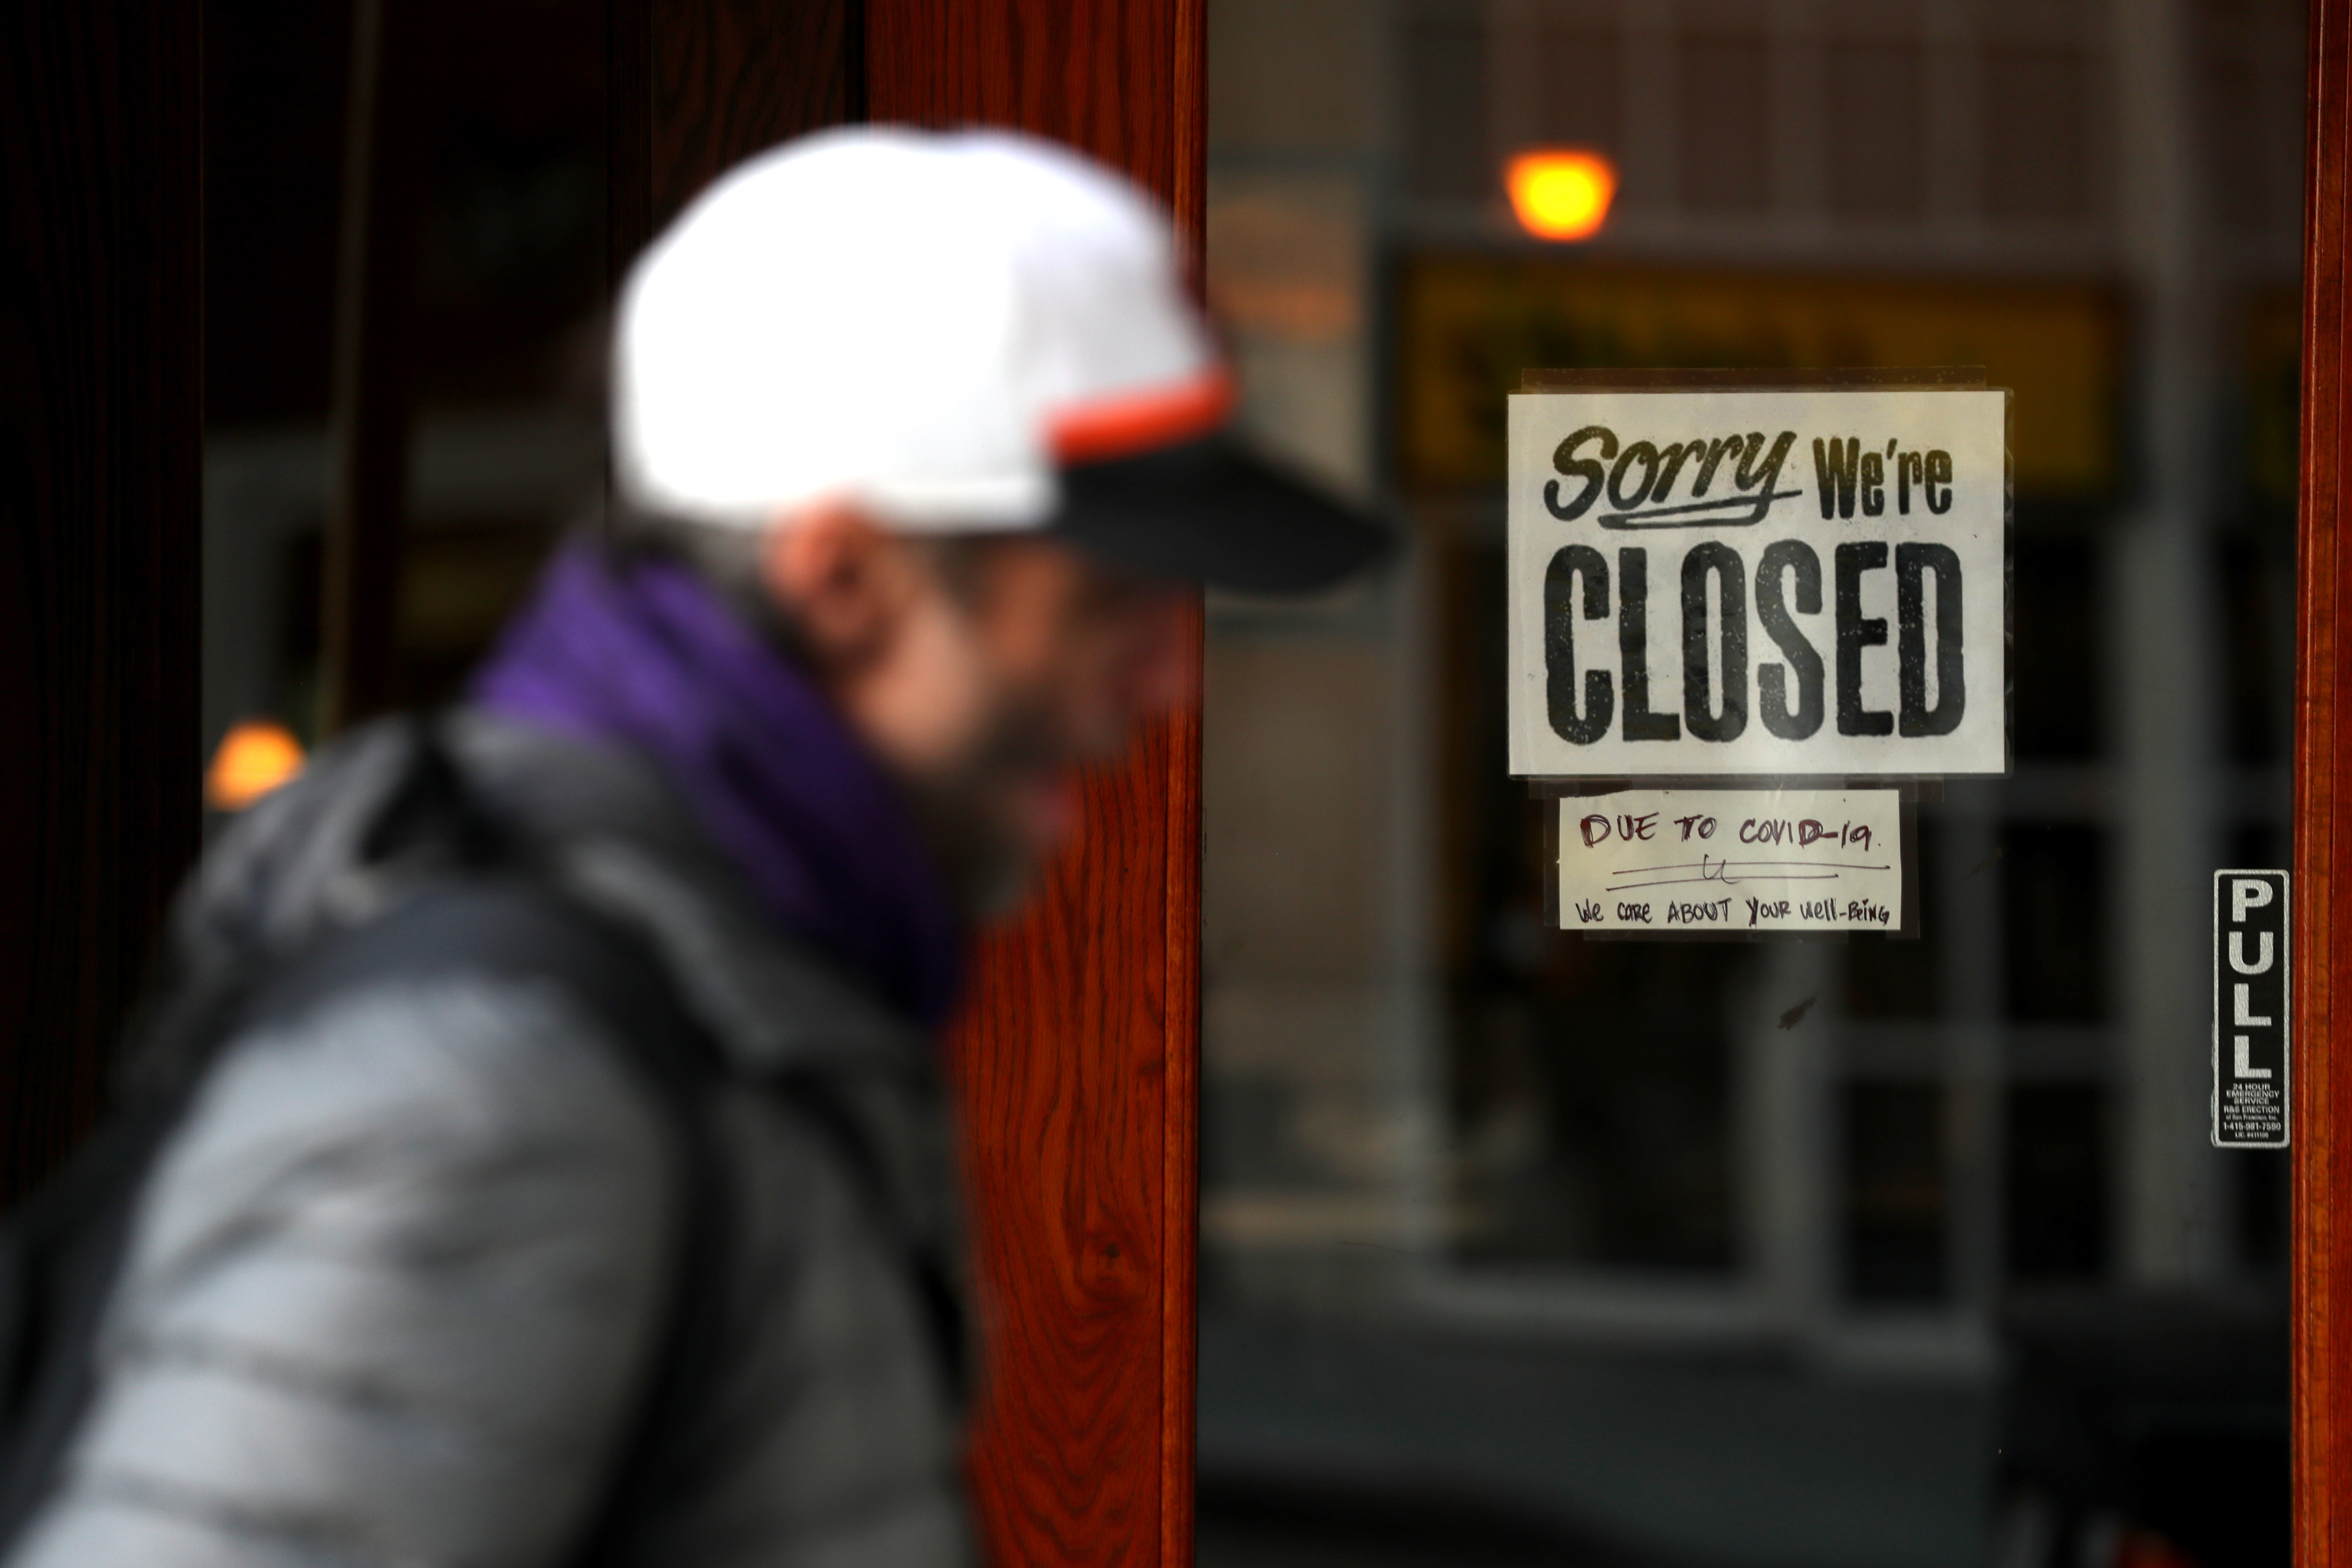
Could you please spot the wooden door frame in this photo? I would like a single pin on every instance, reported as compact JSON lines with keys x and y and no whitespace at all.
{"x":1077,"y":1053}
{"x":2323,"y":825}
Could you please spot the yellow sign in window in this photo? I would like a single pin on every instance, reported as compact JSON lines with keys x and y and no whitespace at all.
{"x":1471,"y":324}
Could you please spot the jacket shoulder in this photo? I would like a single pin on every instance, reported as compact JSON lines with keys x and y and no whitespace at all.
{"x":409,"y":1246}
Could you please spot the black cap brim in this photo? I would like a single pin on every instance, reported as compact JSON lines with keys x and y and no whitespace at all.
{"x":1209,"y":511}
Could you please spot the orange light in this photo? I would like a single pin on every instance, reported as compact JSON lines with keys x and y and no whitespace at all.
{"x":1562,"y":192}
{"x":255,"y":757}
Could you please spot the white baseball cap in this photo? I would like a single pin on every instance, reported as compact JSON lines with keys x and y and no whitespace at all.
{"x":961,"y":333}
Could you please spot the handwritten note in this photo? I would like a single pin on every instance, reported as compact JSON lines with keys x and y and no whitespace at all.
{"x":1732,"y":859}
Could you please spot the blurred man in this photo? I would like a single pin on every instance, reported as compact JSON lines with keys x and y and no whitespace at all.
{"x":558,"y":1173}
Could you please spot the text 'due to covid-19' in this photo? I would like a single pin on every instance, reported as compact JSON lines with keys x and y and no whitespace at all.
{"x":1734,"y":582}
{"x":2252,"y":1064}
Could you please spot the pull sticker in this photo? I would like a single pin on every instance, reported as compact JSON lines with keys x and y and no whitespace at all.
{"x":2251,"y":999}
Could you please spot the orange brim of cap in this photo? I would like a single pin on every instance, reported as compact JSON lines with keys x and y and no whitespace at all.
{"x":1139,"y":422}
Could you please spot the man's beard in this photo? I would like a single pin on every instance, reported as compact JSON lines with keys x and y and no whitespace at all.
{"x":987,"y":863}
{"x":987,"y":875}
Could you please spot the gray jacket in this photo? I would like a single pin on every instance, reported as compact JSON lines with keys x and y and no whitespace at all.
{"x":392,"y":1294}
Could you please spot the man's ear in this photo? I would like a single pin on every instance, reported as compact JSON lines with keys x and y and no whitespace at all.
{"x":844,"y":582}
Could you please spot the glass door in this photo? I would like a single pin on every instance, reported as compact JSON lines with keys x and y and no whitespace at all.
{"x":1868,"y":1250}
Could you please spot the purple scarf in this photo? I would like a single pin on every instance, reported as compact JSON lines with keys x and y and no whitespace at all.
{"x":645,"y":654}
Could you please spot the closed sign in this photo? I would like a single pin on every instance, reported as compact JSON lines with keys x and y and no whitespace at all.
{"x":1741,"y":581}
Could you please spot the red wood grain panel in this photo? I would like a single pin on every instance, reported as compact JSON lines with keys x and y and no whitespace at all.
{"x":1077,"y":1056}
{"x":1116,"y":78}
{"x":2323,"y":852}
{"x":696,"y":86}
{"x":100,"y":553}
{"x":732,"y":77}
